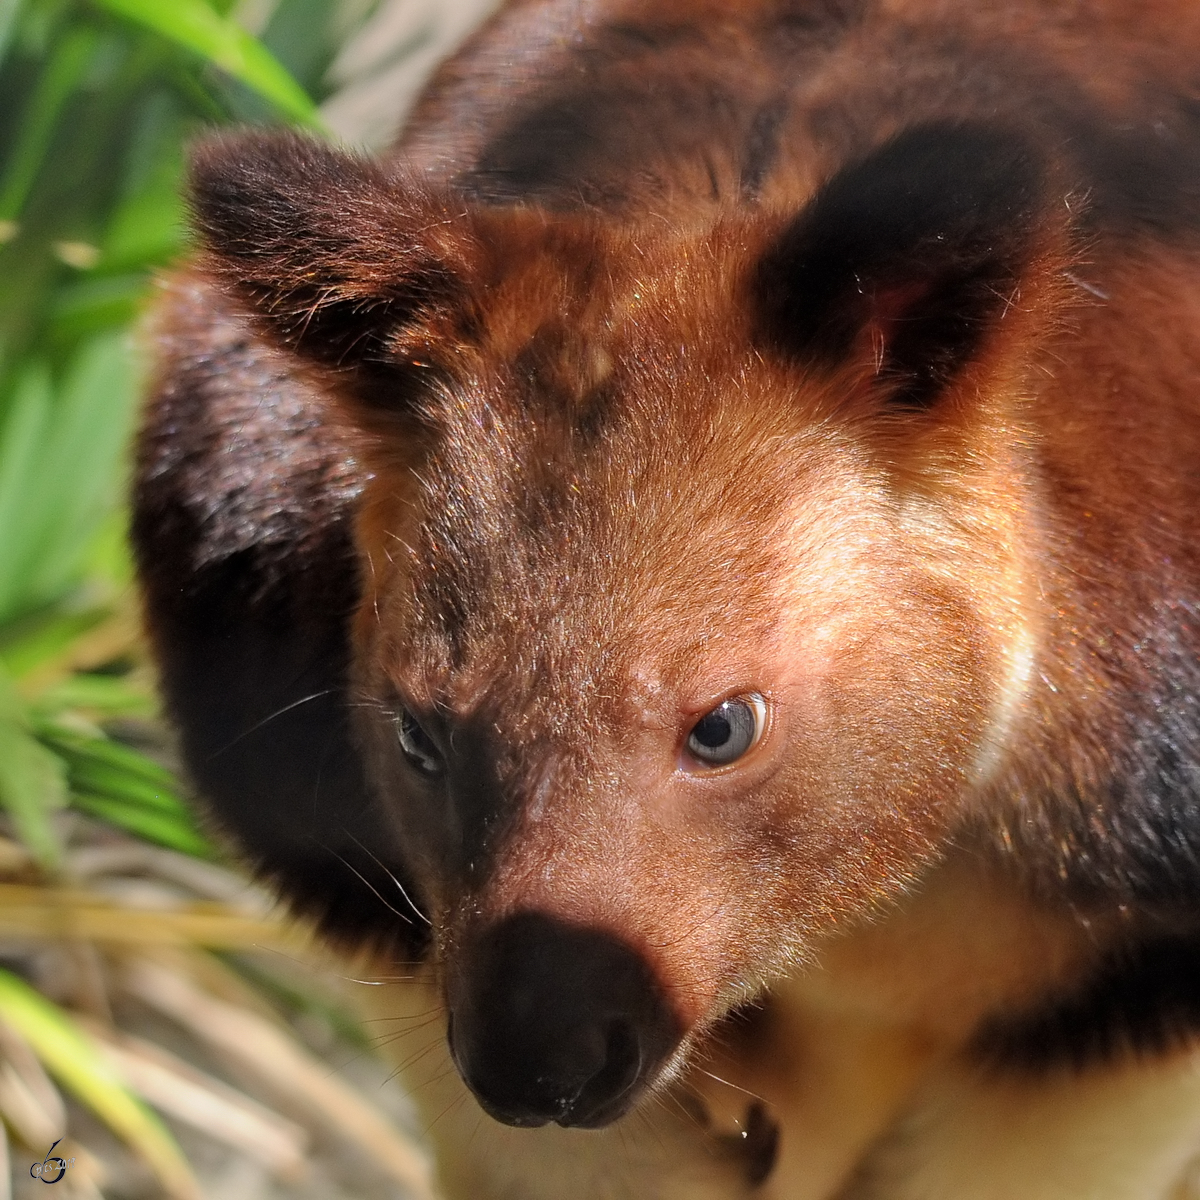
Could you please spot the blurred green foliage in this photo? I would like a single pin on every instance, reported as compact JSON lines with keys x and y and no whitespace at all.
{"x":98,"y":99}
{"x":97,"y":102}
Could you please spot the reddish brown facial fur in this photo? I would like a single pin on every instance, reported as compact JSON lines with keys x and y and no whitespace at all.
{"x":817,"y":407}
{"x":593,"y":546}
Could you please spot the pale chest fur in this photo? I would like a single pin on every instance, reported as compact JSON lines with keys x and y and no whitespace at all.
{"x":861,"y":1071}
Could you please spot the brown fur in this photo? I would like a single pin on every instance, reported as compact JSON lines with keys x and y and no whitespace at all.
{"x":841,"y":352}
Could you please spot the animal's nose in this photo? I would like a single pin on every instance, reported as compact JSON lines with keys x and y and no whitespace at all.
{"x":552,"y":1022}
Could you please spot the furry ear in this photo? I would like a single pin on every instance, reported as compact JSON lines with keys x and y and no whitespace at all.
{"x":339,"y":263}
{"x":908,"y":255}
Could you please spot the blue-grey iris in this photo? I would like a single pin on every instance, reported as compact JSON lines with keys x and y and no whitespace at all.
{"x":726,"y":733}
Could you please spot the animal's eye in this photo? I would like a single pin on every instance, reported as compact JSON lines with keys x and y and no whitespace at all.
{"x":726,"y":733}
{"x":417,"y":745}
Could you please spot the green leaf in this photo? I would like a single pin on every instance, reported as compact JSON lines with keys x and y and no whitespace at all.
{"x":93,"y":305}
{"x":22,"y":433}
{"x":158,"y":828}
{"x":62,"y":74}
{"x":109,"y":559}
{"x":81,"y":460}
{"x":59,"y":470}
{"x":33,"y":780}
{"x":80,"y":1065}
{"x":196,"y":26}
{"x":147,"y":226}
{"x":8,"y":16}
{"x":84,"y":752}
{"x":29,"y":643}
{"x":125,"y":788}
{"x":302,"y":35}
{"x":94,"y":776}
{"x":108,"y":695}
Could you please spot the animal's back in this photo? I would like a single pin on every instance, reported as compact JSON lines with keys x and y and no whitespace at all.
{"x":665,"y":109}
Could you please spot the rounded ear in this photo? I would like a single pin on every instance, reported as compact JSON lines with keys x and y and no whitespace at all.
{"x":909,"y":255}
{"x":339,"y":262}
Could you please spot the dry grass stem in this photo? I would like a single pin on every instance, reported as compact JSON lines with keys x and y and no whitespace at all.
{"x":29,"y":1101}
{"x":260,"y":1047}
{"x":47,"y":913}
{"x":182,"y":1091}
{"x":116,"y":636}
{"x":5,"y":1166}
{"x":206,"y":879}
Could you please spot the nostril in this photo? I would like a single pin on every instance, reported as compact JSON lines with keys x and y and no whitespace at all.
{"x":605,"y":1089}
{"x":624,"y":1058}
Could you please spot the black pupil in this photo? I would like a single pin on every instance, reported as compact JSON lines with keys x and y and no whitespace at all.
{"x":725,"y":733}
{"x":713,"y":730}
{"x":417,"y":745}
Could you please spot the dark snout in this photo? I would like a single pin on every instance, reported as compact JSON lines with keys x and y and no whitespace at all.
{"x":550,"y":1022}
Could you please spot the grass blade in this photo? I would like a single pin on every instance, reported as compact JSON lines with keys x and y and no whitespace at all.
{"x":103,"y":696}
{"x":32,"y":779}
{"x":100,"y":758}
{"x":31,"y":643}
{"x":196,"y":26}
{"x":60,"y":458}
{"x":121,"y":786}
{"x":79,"y":1064}
{"x":177,"y":1088}
{"x":81,"y":459}
{"x":50,"y":914}
{"x":260,"y":1047}
{"x":29,"y":1101}
{"x":8,"y":17}
{"x":100,"y":780}
{"x":61,"y":76}
{"x":22,"y":435}
{"x":159,"y":828}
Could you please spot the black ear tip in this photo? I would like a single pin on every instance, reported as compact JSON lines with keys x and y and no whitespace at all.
{"x":948,"y":189}
{"x":227,"y":172}
{"x":257,"y":148}
{"x":233,"y":153}
{"x":245,"y":169}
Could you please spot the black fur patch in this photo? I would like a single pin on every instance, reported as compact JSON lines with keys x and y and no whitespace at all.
{"x":629,"y":39}
{"x":1141,"y":175}
{"x":1130,"y":836}
{"x":601,"y":129}
{"x":1144,"y":1001}
{"x":1133,"y":169}
{"x":1131,"y":830}
{"x":242,"y":533}
{"x":941,"y":217}
{"x":796,"y":29}
{"x":547,"y":152}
